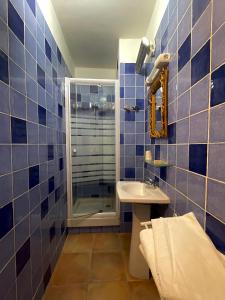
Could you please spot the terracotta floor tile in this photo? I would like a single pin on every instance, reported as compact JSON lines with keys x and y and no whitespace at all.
{"x":72,"y":268}
{"x":72,"y":292}
{"x":79,"y":243}
{"x":144,"y":290}
{"x":107,"y":242}
{"x":125,"y":239}
{"x":107,"y":267}
{"x":129,"y":277}
{"x":118,"y":290}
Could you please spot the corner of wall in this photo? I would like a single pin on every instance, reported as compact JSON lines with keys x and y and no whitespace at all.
{"x":56,"y":30}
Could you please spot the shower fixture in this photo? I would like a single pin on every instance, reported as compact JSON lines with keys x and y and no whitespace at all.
{"x":131,"y":108}
{"x":146,"y":48}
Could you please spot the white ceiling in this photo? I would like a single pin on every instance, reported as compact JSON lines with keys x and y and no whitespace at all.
{"x":92,"y":27}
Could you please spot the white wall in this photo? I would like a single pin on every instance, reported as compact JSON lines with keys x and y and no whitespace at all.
{"x":54,"y":25}
{"x":128,"y":50}
{"x":95,"y":73}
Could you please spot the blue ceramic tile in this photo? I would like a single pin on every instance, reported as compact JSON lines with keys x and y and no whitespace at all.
{"x":15,"y":22}
{"x":172,"y":133}
{"x":31,"y":65}
{"x":218,"y":14}
{"x":50,"y":152}
{"x":42,"y":115}
{"x":129,"y":172}
{"x":22,"y":232}
{"x":47,"y":277}
{"x":60,"y":111}
{"x":198,"y":158}
{"x":31,"y":86}
{"x":16,"y":50}
{"x":32,"y":111}
{"x":6,"y":219}
{"x":52,"y":232}
{"x":140,"y":103}
{"x":130,"y":68}
{"x":4,"y":37}
{"x":41,"y":76}
{"x":17,"y":77}
{"x":217,"y":86}
{"x":30,"y":20}
{"x":4,"y":73}
{"x":51,"y":184}
{"x":30,"y":43}
{"x":21,"y":208}
{"x":127,"y":216}
{"x":217,"y":133}
{"x":20,"y":182}
{"x":163,"y":173}
{"x":6,"y":249}
{"x":157,"y":152}
{"x":3,"y":9}
{"x":19,"y":131}
{"x":198,"y":7}
{"x":48,"y":50}
{"x":19,"y":157}
{"x":93,"y":89}
{"x":32,"y":4}
{"x":18,"y":104}
{"x":6,"y":189}
{"x":59,"y":55}
{"x":61,"y":164}
{"x":139,"y":150}
{"x":4,"y":92}
{"x":129,"y":116}
{"x":33,"y":155}
{"x":164,"y":40}
{"x":22,"y":257}
{"x":129,"y":80}
{"x":5,"y":136}
{"x":215,"y":198}
{"x":184,"y":53}
{"x":44,"y":208}
{"x":121,"y":139}
{"x":200,"y":59}
{"x":33,"y":176}
{"x":215,"y":229}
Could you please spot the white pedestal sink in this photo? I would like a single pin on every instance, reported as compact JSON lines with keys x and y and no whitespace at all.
{"x":139,"y":194}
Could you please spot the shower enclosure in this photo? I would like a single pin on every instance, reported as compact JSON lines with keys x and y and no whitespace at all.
{"x":92,"y":109}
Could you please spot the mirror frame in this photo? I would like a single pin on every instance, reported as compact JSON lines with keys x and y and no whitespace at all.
{"x":161,"y":80}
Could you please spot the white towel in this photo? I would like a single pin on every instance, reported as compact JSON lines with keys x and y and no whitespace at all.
{"x":184,"y":262}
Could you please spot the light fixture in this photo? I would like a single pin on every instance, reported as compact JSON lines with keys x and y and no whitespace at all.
{"x":146,"y":48}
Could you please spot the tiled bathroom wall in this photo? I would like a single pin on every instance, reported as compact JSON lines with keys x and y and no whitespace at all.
{"x":32,"y":151}
{"x":132,"y":125}
{"x":132,"y":131}
{"x":194,"y":33}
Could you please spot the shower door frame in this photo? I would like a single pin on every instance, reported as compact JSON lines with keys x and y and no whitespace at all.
{"x":98,"y":219}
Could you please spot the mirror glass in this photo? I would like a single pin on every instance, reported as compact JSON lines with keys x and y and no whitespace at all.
{"x":158,"y":97}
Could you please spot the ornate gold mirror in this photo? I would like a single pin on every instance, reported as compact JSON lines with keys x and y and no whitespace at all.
{"x":158,"y":99}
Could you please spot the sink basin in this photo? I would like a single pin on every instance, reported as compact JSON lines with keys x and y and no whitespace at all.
{"x":140,"y":192}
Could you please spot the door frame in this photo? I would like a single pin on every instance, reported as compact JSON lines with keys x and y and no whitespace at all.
{"x":98,"y":219}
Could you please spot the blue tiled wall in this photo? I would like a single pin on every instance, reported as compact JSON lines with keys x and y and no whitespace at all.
{"x":132,"y":129}
{"x":194,"y":33}
{"x":32,"y":151}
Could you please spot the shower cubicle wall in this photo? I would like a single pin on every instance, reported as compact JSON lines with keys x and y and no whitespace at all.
{"x":93,"y":148}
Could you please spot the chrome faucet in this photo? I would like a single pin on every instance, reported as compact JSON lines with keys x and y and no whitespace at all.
{"x":151,"y":182}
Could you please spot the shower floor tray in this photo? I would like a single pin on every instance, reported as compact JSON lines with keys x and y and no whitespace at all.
{"x":93,"y":205}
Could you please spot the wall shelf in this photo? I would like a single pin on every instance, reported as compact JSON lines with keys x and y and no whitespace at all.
{"x":158,"y":163}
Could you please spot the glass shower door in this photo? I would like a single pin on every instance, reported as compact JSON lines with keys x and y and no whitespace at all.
{"x":93,"y":148}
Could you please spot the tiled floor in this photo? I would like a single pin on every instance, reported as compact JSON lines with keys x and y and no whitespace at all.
{"x":95,"y":267}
